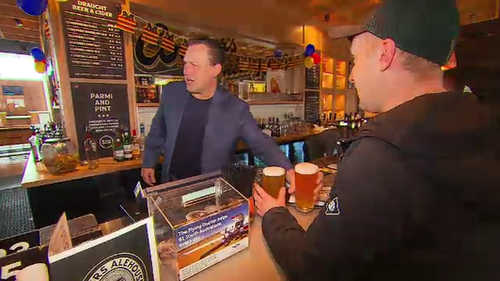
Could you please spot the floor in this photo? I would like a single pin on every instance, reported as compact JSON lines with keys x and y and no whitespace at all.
{"x":15,"y":212}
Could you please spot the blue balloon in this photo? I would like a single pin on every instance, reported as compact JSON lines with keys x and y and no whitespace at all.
{"x":37,"y":54}
{"x":278,"y":53}
{"x":32,"y":7}
{"x":309,"y":50}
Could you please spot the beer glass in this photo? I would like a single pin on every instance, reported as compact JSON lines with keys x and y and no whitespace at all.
{"x":273,"y":180}
{"x":306,"y":175}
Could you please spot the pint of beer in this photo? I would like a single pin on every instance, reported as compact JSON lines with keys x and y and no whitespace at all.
{"x":273,"y":180}
{"x":306,"y":175}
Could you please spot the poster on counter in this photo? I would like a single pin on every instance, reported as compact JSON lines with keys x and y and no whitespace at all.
{"x":94,"y":46}
{"x":102,"y":107}
{"x":206,"y":242}
{"x":127,"y":254}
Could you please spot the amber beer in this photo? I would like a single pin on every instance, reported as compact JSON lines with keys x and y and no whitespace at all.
{"x":273,"y":180}
{"x":306,"y":175}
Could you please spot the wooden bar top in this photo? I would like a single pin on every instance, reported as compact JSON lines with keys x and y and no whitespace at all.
{"x":36,"y":176}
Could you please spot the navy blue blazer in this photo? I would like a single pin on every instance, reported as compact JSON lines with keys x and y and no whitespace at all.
{"x":229,"y":119}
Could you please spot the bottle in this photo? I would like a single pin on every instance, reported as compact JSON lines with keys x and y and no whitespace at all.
{"x":277,"y":131}
{"x":90,"y":146}
{"x":35,"y":146}
{"x":127,"y":144}
{"x":118,"y":152}
{"x":142,"y":137}
{"x":136,"y":147}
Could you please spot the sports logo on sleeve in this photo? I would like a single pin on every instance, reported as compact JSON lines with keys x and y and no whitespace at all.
{"x":333,"y":208}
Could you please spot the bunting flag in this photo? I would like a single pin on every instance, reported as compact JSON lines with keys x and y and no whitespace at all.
{"x":263,"y":65}
{"x":241,"y":64}
{"x":255,"y":65}
{"x":126,"y":22}
{"x":46,"y":28}
{"x":150,"y":34}
{"x":273,"y":64}
{"x":182,"y":50}
{"x":167,"y":43}
{"x":244,"y":64}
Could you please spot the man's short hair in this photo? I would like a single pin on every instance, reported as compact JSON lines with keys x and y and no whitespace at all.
{"x":216,"y":53}
{"x":417,"y":65}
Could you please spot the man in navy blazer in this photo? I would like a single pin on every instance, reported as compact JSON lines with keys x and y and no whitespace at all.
{"x":198,"y":123}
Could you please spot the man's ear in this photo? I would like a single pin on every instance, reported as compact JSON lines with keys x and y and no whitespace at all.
{"x":217,"y":69}
{"x":388,"y":54}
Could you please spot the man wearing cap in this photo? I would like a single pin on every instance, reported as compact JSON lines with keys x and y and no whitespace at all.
{"x":417,"y":194}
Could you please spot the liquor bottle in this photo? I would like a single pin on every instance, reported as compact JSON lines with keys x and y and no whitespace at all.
{"x":277,"y":131}
{"x":127,"y":144}
{"x":118,"y":152}
{"x":35,"y":150}
{"x":136,"y":147}
{"x":90,"y":146}
{"x":142,"y":137}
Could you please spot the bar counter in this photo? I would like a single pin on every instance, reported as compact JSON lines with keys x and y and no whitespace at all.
{"x":33,"y":177}
{"x":254,"y":263}
{"x":104,"y":191}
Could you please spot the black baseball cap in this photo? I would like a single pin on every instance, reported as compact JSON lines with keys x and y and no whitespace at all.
{"x":425,"y":28}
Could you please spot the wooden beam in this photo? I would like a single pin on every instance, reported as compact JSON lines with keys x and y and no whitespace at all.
{"x":4,"y":21}
{"x":20,"y":31}
{"x":19,"y":37}
{"x":14,"y":12}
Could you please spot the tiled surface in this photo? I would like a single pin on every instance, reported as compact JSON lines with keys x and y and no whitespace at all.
{"x":146,"y":114}
{"x":15,"y":217}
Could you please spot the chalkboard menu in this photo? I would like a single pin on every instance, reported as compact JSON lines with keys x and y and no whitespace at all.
{"x":102,"y":107}
{"x":93,"y":44}
{"x":313,"y":77}
{"x":311,"y":107}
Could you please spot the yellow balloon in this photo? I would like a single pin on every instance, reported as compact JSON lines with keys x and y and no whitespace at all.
{"x":40,"y":67}
{"x":308,"y":62}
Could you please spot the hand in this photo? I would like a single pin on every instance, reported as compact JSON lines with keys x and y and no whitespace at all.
{"x":148,"y":175}
{"x":265,"y":202}
{"x":290,"y":176}
{"x":319,"y":186}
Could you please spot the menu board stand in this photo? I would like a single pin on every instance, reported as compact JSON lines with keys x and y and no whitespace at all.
{"x":103,"y":108}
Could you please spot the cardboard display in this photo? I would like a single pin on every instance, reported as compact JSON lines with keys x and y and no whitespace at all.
{"x":127,"y":254}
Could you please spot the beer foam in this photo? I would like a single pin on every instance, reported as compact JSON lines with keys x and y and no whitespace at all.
{"x":273,"y":171}
{"x":306,"y":168}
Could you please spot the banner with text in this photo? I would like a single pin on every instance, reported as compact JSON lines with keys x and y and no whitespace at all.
{"x":94,"y":45}
{"x":102,"y":107}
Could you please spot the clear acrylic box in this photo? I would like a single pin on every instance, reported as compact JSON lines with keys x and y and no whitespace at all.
{"x":199,"y":222}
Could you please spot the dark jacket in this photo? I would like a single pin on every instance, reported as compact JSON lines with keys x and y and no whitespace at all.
{"x":229,"y":119}
{"x":416,"y":197}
